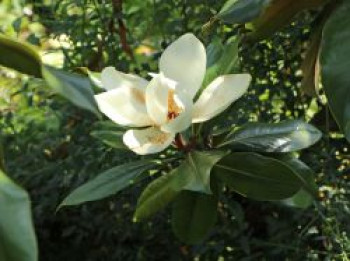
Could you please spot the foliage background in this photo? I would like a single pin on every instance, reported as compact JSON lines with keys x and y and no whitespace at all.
{"x":49,"y":149}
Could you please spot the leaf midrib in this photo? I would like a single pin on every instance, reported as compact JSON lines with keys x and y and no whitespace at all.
{"x":241,"y":140}
{"x":195,"y":169}
{"x":250,"y":175}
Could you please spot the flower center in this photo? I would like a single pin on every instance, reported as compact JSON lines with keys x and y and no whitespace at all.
{"x":173,"y":108}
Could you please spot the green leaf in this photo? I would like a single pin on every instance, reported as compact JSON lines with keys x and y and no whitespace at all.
{"x":335,"y":64}
{"x":241,"y":11}
{"x":227,"y":60}
{"x":258,"y":177}
{"x":2,"y":161}
{"x":108,"y":183}
{"x":266,"y":16}
{"x":199,"y":166}
{"x":73,"y":87}
{"x":304,"y":173}
{"x":308,"y":192}
{"x":95,"y":77}
{"x":17,"y":24}
{"x":19,"y":56}
{"x":107,"y":125}
{"x":110,"y":137}
{"x":193,"y":216}
{"x":160,"y":192}
{"x":301,"y":199}
{"x":306,"y":195}
{"x":214,"y":51}
{"x":192,"y":174}
{"x":17,"y":236}
{"x":278,"y":14}
{"x":310,"y":66}
{"x":286,"y":136}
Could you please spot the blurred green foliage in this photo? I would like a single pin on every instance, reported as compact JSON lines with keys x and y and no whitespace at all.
{"x":49,"y":149}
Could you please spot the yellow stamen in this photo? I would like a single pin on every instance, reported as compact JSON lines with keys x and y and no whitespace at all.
{"x":173,"y":109}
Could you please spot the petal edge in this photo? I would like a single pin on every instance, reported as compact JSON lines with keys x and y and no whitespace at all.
{"x":184,"y":61}
{"x":219,"y":95}
{"x":147,"y":141}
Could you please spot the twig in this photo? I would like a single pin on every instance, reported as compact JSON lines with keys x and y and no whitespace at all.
{"x":118,"y":14}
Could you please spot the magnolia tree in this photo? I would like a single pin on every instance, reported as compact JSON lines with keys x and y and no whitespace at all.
{"x":174,"y":119}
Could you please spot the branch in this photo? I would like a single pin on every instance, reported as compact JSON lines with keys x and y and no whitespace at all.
{"x":118,"y":14}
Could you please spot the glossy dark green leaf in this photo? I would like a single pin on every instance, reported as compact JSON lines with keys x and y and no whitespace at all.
{"x":17,"y":237}
{"x":160,"y":192}
{"x":286,"y":136}
{"x":265,"y":16}
{"x":278,"y":14}
{"x":193,"y":174}
{"x":193,"y":216}
{"x":304,"y":173}
{"x":108,"y":183}
{"x":110,"y":137}
{"x":214,"y":51}
{"x":19,"y":56}
{"x":74,"y":87}
{"x":199,"y":166}
{"x":227,"y":60}
{"x":241,"y":11}
{"x":335,"y":64}
{"x":306,"y":195}
{"x":256,"y":176}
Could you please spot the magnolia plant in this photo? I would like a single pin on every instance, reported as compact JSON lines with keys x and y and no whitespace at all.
{"x":188,"y":153}
{"x":188,"y":166}
{"x":165,"y":105}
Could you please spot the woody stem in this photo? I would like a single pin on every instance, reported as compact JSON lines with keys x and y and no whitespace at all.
{"x":179,"y":142}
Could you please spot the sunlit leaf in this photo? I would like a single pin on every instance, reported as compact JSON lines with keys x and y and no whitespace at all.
{"x":160,"y":192}
{"x":286,"y":136}
{"x":17,"y":237}
{"x":108,"y":183}
{"x":193,"y":174}
{"x":74,"y":87}
{"x":224,"y":61}
{"x":199,"y":165}
{"x":19,"y":56}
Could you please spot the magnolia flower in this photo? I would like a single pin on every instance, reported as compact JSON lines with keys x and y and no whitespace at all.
{"x":165,"y":106}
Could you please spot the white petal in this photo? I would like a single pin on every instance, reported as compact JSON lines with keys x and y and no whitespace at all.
{"x":124,"y":106}
{"x":184,"y":119}
{"x":157,"y":98}
{"x":184,"y":61}
{"x":112,"y":79}
{"x":219,"y":95}
{"x":147,"y":141}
